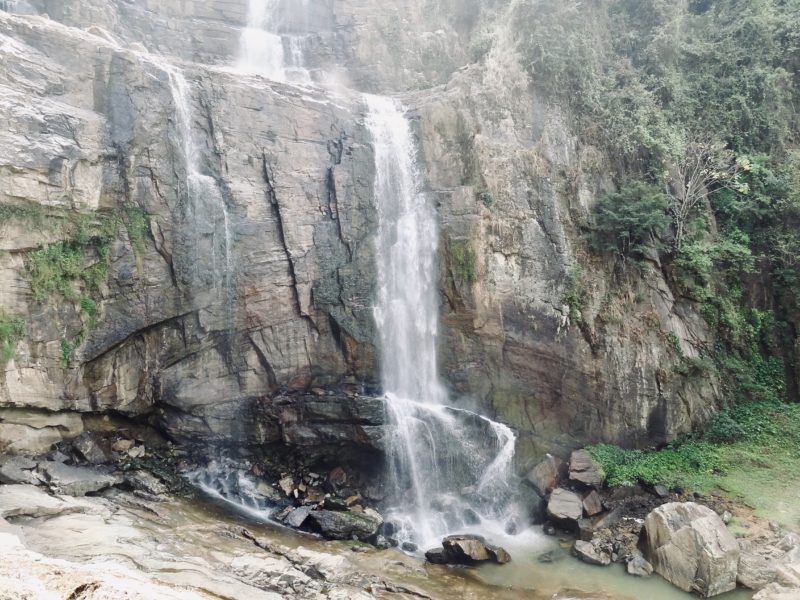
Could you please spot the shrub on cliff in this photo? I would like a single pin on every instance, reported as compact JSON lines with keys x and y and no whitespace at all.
{"x":631,"y":221}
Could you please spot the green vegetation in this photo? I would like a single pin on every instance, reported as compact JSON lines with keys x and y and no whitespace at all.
{"x":743,"y":447}
{"x":12,"y":328}
{"x":631,"y":221}
{"x":137,"y":224}
{"x":62,"y":268}
{"x":485,"y":196}
{"x":575,"y":293}
{"x":463,"y":261}
{"x":694,"y":103}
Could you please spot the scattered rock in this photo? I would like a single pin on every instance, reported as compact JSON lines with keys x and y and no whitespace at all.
{"x":340,"y":525}
{"x":287,"y":485}
{"x":544,"y":476}
{"x":565,"y":506}
{"x":146,"y":482}
{"x":122,"y":446}
{"x":267,"y":491}
{"x":90,"y":449}
{"x":638,"y":566}
{"x":726,"y":517}
{"x":592,"y":504}
{"x":18,"y":469}
{"x":789,"y":542}
{"x":137,"y":452}
{"x":551,"y":556}
{"x":297,"y":517}
{"x":585,"y":530}
{"x":588,"y":553}
{"x":436,"y":556}
{"x":337,"y":477}
{"x":583,"y":469}
{"x":661,"y":491}
{"x":75,"y":481}
{"x":689,"y":545}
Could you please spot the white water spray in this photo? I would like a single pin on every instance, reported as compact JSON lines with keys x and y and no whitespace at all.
{"x":265,"y":48}
{"x":449,"y":469}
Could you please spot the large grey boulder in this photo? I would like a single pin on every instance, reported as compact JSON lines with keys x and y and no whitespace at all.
{"x":564,"y":505}
{"x":345,"y":525}
{"x":689,"y":545}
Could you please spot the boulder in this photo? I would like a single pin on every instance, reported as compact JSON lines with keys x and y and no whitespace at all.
{"x":564,"y":505}
{"x":544,"y":476}
{"x":583,"y":469}
{"x":638,"y":566}
{"x":592,"y":504}
{"x":90,"y":449}
{"x":18,"y":469}
{"x":689,"y":545}
{"x":468,"y":549}
{"x":345,"y":525}
{"x":755,"y":571}
{"x":75,"y":481}
{"x":297,"y":517}
{"x":588,"y":553}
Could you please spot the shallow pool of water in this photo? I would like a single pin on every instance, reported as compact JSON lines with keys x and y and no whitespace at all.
{"x":524,"y":577}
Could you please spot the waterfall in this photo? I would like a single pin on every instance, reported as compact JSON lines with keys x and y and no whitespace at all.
{"x":208,"y":231}
{"x":266,"y":49}
{"x":449,"y":469}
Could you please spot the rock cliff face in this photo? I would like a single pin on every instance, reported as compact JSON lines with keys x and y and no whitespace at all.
{"x":240,"y":262}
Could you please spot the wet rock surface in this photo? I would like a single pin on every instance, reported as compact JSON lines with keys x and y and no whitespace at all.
{"x":466,"y":550}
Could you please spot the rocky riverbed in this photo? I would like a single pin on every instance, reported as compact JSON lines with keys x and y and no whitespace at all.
{"x":125,"y":513}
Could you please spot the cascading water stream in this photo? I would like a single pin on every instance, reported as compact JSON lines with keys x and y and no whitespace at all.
{"x":449,"y":469}
{"x":266,"y":49}
{"x":209,"y":225}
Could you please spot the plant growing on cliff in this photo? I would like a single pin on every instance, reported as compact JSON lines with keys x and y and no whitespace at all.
{"x":632,"y":220}
{"x":463,"y":261}
{"x":12,"y":328}
{"x":58,"y":269}
{"x":575,"y":293}
{"x":136,"y":222}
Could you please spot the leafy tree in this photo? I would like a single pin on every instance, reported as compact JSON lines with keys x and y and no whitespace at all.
{"x":632,"y":220}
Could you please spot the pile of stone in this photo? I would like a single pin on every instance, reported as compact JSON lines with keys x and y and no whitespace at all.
{"x":648,"y":530}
